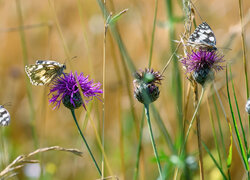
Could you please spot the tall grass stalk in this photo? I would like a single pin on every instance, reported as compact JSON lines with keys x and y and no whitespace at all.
{"x":244,"y":55}
{"x":66,"y":49}
{"x":219,"y":125}
{"x":146,"y":106}
{"x":214,"y":131}
{"x":176,"y":77}
{"x":238,"y":112}
{"x":90,"y":59}
{"x":118,"y":39}
{"x":153,"y":35}
{"x":242,"y":152}
{"x":103,"y":89}
{"x":193,"y":118}
{"x":127,"y":63}
{"x":197,"y":117}
{"x":27,"y":83}
{"x":119,"y":99}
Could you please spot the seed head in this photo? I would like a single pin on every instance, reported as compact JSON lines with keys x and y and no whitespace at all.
{"x":146,"y":83}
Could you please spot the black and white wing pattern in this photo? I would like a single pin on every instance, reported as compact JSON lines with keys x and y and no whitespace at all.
{"x":43,"y":72}
{"x":4,"y":116}
{"x":203,"y":37}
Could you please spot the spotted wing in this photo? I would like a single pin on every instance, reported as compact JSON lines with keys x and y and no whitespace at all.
{"x":48,"y":62}
{"x":4,"y":117}
{"x":203,"y":36}
{"x":41,"y":74}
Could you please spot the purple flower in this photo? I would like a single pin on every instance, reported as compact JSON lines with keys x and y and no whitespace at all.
{"x":202,"y":59}
{"x":202,"y":63}
{"x":64,"y":89}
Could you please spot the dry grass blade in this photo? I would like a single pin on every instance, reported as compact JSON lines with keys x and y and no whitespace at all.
{"x":21,"y":160}
{"x":56,"y":148}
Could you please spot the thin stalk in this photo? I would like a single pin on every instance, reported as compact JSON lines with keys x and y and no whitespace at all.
{"x":244,"y":54}
{"x":214,"y":131}
{"x":219,"y":125}
{"x":242,"y":152}
{"x":25,"y":61}
{"x":192,"y":120}
{"x":85,"y":142}
{"x":89,"y":58}
{"x":103,"y":94}
{"x":198,"y":129}
{"x":238,"y":111}
{"x":66,"y":49}
{"x":189,"y":128}
{"x":120,"y":92}
{"x":153,"y":35}
{"x":139,"y":149}
{"x":146,"y":106}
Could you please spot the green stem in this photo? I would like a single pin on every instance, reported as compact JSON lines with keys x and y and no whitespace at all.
{"x":85,"y":142}
{"x":139,"y":149}
{"x":152,"y":140}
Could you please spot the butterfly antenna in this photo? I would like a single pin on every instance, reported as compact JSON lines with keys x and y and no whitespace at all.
{"x":196,"y":10}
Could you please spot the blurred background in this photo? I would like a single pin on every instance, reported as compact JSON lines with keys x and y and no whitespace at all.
{"x":59,"y":30}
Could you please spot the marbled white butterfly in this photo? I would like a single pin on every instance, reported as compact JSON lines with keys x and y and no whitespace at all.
{"x":43,"y":72}
{"x":4,"y":116}
{"x":203,"y":37}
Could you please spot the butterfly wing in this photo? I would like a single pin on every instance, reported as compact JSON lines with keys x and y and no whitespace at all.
{"x":43,"y":72}
{"x":4,"y":116}
{"x":203,"y":36}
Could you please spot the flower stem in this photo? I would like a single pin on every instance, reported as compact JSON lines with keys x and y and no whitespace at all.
{"x":152,"y":140}
{"x":198,"y":129}
{"x":139,"y":149}
{"x":85,"y":142}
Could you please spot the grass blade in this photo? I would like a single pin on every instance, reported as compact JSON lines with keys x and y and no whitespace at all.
{"x":215,"y":162}
{"x":243,"y":155}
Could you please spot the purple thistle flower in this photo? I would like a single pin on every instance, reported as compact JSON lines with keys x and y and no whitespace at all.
{"x":202,"y":63}
{"x":64,"y":89}
{"x":203,"y":59}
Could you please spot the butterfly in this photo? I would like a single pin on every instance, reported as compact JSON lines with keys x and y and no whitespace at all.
{"x":43,"y":72}
{"x":4,"y":116}
{"x":203,"y":37}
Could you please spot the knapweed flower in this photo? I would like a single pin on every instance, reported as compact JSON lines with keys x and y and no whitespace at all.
{"x":146,"y":83}
{"x":248,"y":106}
{"x":202,"y":64}
{"x":64,"y":89}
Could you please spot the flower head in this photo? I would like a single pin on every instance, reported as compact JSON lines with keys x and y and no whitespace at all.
{"x":146,"y":89}
{"x":64,"y":89}
{"x":202,"y":63}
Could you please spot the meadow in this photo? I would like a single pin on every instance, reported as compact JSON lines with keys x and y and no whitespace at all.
{"x":159,"y":123}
